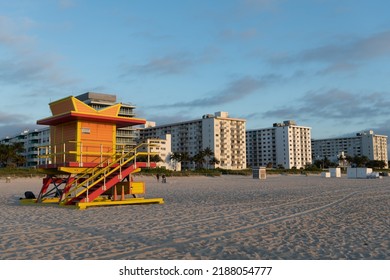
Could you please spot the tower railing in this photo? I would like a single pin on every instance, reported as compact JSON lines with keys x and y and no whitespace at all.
{"x":95,"y":175}
{"x":82,"y":152}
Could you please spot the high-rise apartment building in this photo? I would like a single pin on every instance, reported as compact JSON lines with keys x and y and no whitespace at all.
{"x":31,"y":140}
{"x":284,"y":145}
{"x":363,"y":144}
{"x":225,"y":136}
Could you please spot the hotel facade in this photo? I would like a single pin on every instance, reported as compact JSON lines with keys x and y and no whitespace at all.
{"x":363,"y":144}
{"x":284,"y":145}
{"x":31,"y":140}
{"x":225,"y":136}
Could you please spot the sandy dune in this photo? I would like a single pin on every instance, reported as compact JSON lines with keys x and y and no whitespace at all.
{"x":227,"y":217}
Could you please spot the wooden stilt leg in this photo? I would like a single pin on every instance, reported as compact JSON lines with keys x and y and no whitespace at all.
{"x":115,"y":196}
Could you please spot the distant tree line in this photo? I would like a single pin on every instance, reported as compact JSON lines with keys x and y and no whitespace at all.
{"x":10,"y":155}
{"x":355,"y":161}
{"x":202,"y":158}
{"x":151,"y":158}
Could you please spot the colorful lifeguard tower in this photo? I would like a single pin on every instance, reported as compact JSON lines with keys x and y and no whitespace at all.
{"x":83,"y":165}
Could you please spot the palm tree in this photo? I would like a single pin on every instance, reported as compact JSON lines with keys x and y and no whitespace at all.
{"x":214,"y":161}
{"x":182,"y":157}
{"x":199,"y":159}
{"x":152,"y":158}
{"x":185,"y":157}
{"x":175,"y":157}
{"x":10,"y":155}
{"x":208,"y":154}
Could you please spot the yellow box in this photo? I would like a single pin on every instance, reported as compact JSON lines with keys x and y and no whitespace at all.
{"x":130,"y":187}
{"x":137,"y":188}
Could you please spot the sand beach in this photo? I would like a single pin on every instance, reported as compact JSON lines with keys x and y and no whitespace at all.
{"x":208,"y":218}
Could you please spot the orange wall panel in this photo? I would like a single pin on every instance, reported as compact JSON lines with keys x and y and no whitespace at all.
{"x":62,"y":106}
{"x":96,"y":138}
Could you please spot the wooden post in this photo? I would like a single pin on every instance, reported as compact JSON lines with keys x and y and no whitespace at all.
{"x":115,"y":196}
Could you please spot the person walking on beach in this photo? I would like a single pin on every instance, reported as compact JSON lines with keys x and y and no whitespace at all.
{"x":164,"y":179}
{"x":158,"y":177}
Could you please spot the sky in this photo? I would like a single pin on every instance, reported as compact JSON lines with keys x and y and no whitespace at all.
{"x":323,"y":63}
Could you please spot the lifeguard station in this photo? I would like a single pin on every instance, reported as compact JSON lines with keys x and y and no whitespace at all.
{"x":83,"y":165}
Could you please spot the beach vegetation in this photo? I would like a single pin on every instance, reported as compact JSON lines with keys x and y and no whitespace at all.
{"x":203,"y":159}
{"x":214,"y":161}
{"x":181,"y":157}
{"x":182,"y":173}
{"x":376,"y":164}
{"x":11,"y":155}
{"x":199,"y":159}
{"x":325,"y":163}
{"x":357,"y":161}
{"x":152,"y":158}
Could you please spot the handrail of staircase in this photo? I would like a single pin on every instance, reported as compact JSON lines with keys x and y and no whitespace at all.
{"x":92,"y":170}
{"x":89,"y":186}
{"x":85,"y":184}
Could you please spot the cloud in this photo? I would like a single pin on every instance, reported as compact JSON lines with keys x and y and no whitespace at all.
{"x":334,"y":104}
{"x":166,"y":65}
{"x":16,"y":129}
{"x":24,"y":63}
{"x":12,"y":124}
{"x":66,"y":4}
{"x":240,"y":35}
{"x":374,"y":46}
{"x":382,"y":128}
{"x":24,"y":70}
{"x":7,"y":118}
{"x":171,"y":64}
{"x":236,"y":89}
{"x":162,"y":118}
{"x":11,"y":33}
{"x":342,"y":56}
{"x":250,"y":6}
{"x":261,"y":4}
{"x":339,"y":67}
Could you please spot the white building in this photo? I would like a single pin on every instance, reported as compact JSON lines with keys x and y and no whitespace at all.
{"x":284,"y":145}
{"x":162,"y":147}
{"x":363,"y":144}
{"x":225,"y":136}
{"x":32,"y":140}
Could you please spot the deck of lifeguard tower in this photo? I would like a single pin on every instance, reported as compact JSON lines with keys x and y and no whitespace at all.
{"x":83,"y":164}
